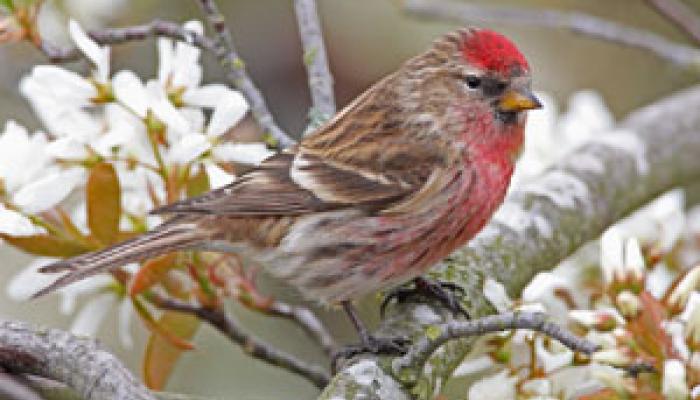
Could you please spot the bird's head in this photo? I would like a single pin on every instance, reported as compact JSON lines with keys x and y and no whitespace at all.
{"x":479,"y":69}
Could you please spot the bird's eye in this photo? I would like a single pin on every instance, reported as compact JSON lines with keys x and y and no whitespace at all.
{"x":473,"y":82}
{"x":501,"y":86}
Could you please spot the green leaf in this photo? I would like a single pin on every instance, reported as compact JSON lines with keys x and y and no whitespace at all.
{"x":198,"y":183}
{"x":46,"y":245}
{"x":161,"y":354}
{"x":103,"y":203}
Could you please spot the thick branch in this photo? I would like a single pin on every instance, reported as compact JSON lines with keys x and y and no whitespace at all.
{"x":684,"y":56}
{"x":540,"y":225}
{"x":255,"y":347}
{"x":315,"y":59}
{"x":681,"y":15}
{"x":80,"y":363}
{"x":236,"y":72}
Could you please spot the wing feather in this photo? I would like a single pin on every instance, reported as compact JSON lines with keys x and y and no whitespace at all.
{"x":362,"y":158}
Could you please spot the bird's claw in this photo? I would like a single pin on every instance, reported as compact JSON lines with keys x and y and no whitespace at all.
{"x":385,"y":346}
{"x":447,"y":293}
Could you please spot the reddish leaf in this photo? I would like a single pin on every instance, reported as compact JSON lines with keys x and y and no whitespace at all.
{"x":104,"y":203}
{"x":151,"y":272}
{"x":46,"y":245}
{"x":647,"y":328}
{"x":161,"y":355}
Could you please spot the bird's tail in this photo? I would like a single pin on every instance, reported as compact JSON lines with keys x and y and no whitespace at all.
{"x":164,"y":239}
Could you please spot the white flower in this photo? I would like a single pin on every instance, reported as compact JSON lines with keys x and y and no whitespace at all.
{"x":674,"y":386}
{"x":620,"y":260}
{"x":92,"y":314}
{"x":498,"y":386}
{"x":48,"y":191}
{"x":244,"y":153}
{"x":179,"y":62}
{"x":22,"y":157}
{"x":613,"y":357}
{"x":679,"y":296}
{"x":99,"y":56}
{"x":496,"y":294}
{"x":15,"y":224}
{"x":130,"y":92}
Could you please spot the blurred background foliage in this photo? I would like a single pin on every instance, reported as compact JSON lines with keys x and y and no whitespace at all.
{"x":366,"y":39}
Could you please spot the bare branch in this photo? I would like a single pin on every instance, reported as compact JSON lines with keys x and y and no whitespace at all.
{"x":420,"y":351}
{"x":681,"y":15}
{"x":308,"y":321}
{"x":126,"y":34}
{"x":253,"y":346}
{"x":683,"y":56}
{"x":236,"y":72}
{"x":80,"y":363}
{"x":315,"y":59}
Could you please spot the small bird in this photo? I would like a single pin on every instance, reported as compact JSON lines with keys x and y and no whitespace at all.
{"x":409,"y":171}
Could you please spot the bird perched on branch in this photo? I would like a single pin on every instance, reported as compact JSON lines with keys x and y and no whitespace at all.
{"x":405,"y":174}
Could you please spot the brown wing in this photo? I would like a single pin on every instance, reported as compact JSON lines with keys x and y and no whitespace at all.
{"x":361,"y":158}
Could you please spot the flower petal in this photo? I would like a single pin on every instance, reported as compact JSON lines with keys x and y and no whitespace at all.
{"x":90,"y":317}
{"x":188,"y":149}
{"x":164,"y":109}
{"x":29,"y":280}
{"x":244,"y":153}
{"x":15,"y":224}
{"x":48,"y":191}
{"x":228,"y":112}
{"x":129,"y":90}
{"x":98,"y":55}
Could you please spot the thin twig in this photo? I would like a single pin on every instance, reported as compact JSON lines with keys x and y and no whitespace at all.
{"x":308,"y":321}
{"x":126,"y":34}
{"x":577,"y":22}
{"x":253,"y":346}
{"x":315,"y":59}
{"x":681,"y":15}
{"x":421,"y":350}
{"x":236,"y":72}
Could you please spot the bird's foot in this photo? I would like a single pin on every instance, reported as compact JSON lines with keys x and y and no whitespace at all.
{"x":447,"y":293}
{"x":384,"y":346}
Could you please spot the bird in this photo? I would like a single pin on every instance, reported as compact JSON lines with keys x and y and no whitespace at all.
{"x":409,"y":171}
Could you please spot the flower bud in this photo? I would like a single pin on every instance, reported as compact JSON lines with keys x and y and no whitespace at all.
{"x":678,"y":298}
{"x":613,"y":357}
{"x":674,"y":386}
{"x":628,"y":303}
{"x":599,"y":320}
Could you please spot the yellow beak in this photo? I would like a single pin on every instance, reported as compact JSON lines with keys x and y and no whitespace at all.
{"x":518,"y":100}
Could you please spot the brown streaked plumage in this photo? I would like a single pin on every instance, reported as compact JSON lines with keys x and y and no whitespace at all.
{"x":410,"y":170}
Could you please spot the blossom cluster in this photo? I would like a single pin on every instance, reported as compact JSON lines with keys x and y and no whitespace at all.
{"x":112,"y":148}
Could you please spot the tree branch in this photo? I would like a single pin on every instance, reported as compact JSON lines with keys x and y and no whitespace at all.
{"x":419,"y":352}
{"x":236,"y":72}
{"x":683,"y":56}
{"x":315,"y":59}
{"x":308,"y":321}
{"x":256,"y":348}
{"x":80,"y":363}
{"x":681,"y":15}
{"x":537,"y":227}
{"x":109,"y":36}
